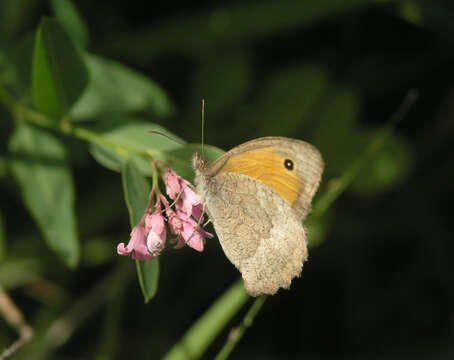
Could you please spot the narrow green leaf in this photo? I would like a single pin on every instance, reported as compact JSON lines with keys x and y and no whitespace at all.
{"x":132,"y":141}
{"x":68,"y":16}
{"x":148,"y":274}
{"x":137,"y":189}
{"x":110,"y":158}
{"x":59,"y":75}
{"x":209,"y":325}
{"x":40,"y":166}
{"x":116,"y":88}
{"x":113,"y":159}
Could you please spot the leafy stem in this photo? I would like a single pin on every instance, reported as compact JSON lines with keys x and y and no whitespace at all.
{"x":21,"y":113}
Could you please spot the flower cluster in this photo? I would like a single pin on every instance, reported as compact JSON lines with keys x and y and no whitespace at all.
{"x":183,"y":216}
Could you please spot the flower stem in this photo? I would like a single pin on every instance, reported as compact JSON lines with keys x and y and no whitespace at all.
{"x":237,"y":333}
{"x":155,"y":184}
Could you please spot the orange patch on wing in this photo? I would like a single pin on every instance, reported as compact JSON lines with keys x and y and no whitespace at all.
{"x":266,"y":166}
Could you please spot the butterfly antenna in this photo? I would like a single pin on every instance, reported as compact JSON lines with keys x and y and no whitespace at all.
{"x":203,"y":128}
{"x":167,"y":136}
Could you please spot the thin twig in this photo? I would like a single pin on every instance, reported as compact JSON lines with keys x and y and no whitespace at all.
{"x":14,"y":317}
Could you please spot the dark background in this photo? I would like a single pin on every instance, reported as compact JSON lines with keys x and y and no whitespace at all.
{"x":379,"y":281}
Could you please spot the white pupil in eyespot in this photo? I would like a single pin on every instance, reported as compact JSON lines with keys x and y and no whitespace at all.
{"x":288,"y":164}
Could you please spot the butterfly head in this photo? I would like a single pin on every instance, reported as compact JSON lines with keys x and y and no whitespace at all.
{"x":198,"y":162}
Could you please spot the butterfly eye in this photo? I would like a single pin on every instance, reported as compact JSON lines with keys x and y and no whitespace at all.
{"x":288,"y":164}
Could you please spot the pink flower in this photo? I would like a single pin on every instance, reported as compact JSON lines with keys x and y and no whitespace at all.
{"x":189,"y":195}
{"x":188,"y":199}
{"x":174,"y":221}
{"x":189,"y":232}
{"x":148,"y":238}
{"x":137,"y":245}
{"x":190,"y":203}
{"x":197,"y":211}
{"x":172,"y":181}
{"x":156,"y":239}
{"x":192,"y":236}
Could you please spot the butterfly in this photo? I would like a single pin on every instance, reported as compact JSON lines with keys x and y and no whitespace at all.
{"x":257,"y":196}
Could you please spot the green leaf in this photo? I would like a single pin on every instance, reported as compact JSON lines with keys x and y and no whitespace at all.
{"x":116,"y":88}
{"x":68,"y":16}
{"x":181,"y":159}
{"x":40,"y":166}
{"x":59,"y":75}
{"x":131,"y":140}
{"x":137,"y":189}
{"x":197,"y":339}
{"x":148,"y":274}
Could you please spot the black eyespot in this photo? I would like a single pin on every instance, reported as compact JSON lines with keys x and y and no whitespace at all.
{"x":288,"y":164}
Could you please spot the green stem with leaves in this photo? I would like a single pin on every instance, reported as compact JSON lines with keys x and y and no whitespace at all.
{"x":20,"y":113}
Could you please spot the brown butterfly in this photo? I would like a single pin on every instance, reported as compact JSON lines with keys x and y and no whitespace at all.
{"x":257,"y":196}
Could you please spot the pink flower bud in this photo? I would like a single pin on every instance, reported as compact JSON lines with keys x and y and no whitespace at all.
{"x":172,"y":182}
{"x":191,"y":235}
{"x":189,"y":199}
{"x":197,"y":211}
{"x":174,"y":222}
{"x":156,"y":238}
{"x":136,"y":246}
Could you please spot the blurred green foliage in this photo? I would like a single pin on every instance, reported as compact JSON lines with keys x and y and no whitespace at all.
{"x":82,"y":83}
